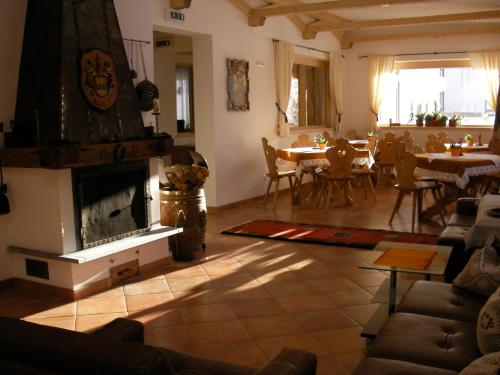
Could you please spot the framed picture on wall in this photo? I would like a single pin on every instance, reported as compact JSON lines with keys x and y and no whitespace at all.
{"x":237,"y":85}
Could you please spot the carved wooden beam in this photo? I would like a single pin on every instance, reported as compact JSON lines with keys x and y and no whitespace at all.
{"x":346,"y":25}
{"x":180,"y":4}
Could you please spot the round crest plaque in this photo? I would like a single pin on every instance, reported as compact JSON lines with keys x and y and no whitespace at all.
{"x":98,"y":79}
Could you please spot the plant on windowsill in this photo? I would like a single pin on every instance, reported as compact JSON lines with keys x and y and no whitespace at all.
{"x":321,"y":141}
{"x":454,"y":121}
{"x":419,"y":119}
{"x":435,"y":119}
{"x":469,"y":140}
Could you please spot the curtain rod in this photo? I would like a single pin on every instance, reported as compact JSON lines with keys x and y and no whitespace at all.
{"x":311,"y":48}
{"x":137,"y":41}
{"x":422,"y":53}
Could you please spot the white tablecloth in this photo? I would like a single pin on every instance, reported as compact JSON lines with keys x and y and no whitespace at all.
{"x":460,"y":181}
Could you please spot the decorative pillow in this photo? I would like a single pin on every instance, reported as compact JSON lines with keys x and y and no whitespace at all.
{"x":488,"y":325}
{"x":482,"y":273}
{"x":485,"y":365}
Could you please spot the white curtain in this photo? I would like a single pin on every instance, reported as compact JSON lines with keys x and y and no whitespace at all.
{"x":487,"y":65}
{"x":283,"y":65}
{"x":336,"y":86}
{"x":183,"y":95}
{"x":380,"y":78}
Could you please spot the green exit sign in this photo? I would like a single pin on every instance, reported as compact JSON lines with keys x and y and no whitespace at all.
{"x":178,"y":16}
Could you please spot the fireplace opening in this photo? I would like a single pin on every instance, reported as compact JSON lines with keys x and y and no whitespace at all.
{"x":112,"y":202}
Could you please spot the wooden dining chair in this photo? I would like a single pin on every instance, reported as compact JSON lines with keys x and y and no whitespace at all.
{"x":384,"y":157}
{"x":405,"y":163}
{"x":338,"y":175}
{"x":352,"y":134}
{"x":303,"y":140}
{"x":273,"y":174}
{"x":434,"y":145}
{"x":410,"y":144}
{"x":444,"y":137}
{"x":372,"y":145}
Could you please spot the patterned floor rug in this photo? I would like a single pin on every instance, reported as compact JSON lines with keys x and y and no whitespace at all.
{"x":326,"y":234}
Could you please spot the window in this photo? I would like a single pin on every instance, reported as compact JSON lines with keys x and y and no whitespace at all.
{"x":184,"y":87}
{"x":308,"y":103}
{"x":448,"y":86}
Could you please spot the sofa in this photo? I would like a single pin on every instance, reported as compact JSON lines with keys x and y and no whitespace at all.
{"x":118,"y":348}
{"x":432,"y":332}
{"x":434,"y":328}
{"x":454,"y":235}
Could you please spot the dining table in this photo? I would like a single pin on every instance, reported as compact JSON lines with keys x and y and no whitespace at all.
{"x":315,"y":157}
{"x":455,"y":172}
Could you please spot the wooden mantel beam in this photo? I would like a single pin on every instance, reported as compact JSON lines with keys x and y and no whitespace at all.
{"x":349,"y":40}
{"x":325,"y":26}
{"x":324,"y":6}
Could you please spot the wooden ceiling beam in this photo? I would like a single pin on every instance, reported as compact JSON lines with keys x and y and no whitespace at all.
{"x":180,"y":4}
{"x":242,"y":6}
{"x":324,"y":26}
{"x":283,"y":10}
{"x":350,"y":40}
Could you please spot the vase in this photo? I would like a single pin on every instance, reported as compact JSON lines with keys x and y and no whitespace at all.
{"x":453,"y":123}
{"x":322,"y":146}
{"x":419,"y":122}
{"x":470,"y":142}
{"x":456,"y":151}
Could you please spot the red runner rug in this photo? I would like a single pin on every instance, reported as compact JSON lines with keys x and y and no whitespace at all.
{"x":326,"y":234}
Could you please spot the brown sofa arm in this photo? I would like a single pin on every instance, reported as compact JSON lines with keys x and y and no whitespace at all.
{"x":467,"y":206}
{"x":122,"y":329}
{"x":290,"y":362}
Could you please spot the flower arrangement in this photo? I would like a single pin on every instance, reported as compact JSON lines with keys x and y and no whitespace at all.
{"x":371,"y":133}
{"x":456,"y":148}
{"x":469,"y":140}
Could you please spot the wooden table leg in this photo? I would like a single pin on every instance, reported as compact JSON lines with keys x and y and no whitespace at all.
{"x":451,"y":195}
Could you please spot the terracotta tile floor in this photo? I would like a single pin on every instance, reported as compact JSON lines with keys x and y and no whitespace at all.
{"x":245,"y":298}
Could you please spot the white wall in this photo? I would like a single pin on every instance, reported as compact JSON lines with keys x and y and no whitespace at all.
{"x":234,"y":149}
{"x":356,"y":93}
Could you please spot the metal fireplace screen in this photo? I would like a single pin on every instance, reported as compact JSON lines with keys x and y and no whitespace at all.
{"x":112,"y":202}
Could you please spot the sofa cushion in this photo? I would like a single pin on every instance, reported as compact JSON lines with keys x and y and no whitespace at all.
{"x":482,"y":272}
{"x":442,"y":300}
{"x":461,"y":220}
{"x":64,"y":351}
{"x":488,"y":325}
{"x":426,"y":340}
{"x":382,"y":366}
{"x":488,"y":364}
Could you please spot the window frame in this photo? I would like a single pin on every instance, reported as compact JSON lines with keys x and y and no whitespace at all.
{"x":191,"y":99}
{"x":315,"y":63}
{"x":463,"y":62}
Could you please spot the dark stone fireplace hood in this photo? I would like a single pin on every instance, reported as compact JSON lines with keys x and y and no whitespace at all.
{"x":55,"y":124}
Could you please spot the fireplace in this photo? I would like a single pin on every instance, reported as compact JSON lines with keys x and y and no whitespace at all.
{"x":111,"y":202}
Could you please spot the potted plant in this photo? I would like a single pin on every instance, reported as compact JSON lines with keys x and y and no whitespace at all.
{"x":469,"y":140}
{"x":456,"y":148}
{"x":454,"y":121}
{"x":321,"y":141}
{"x":419,"y":119}
{"x":371,"y":135}
{"x":435,"y":119}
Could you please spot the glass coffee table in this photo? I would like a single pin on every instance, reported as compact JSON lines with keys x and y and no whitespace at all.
{"x":388,"y":304}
